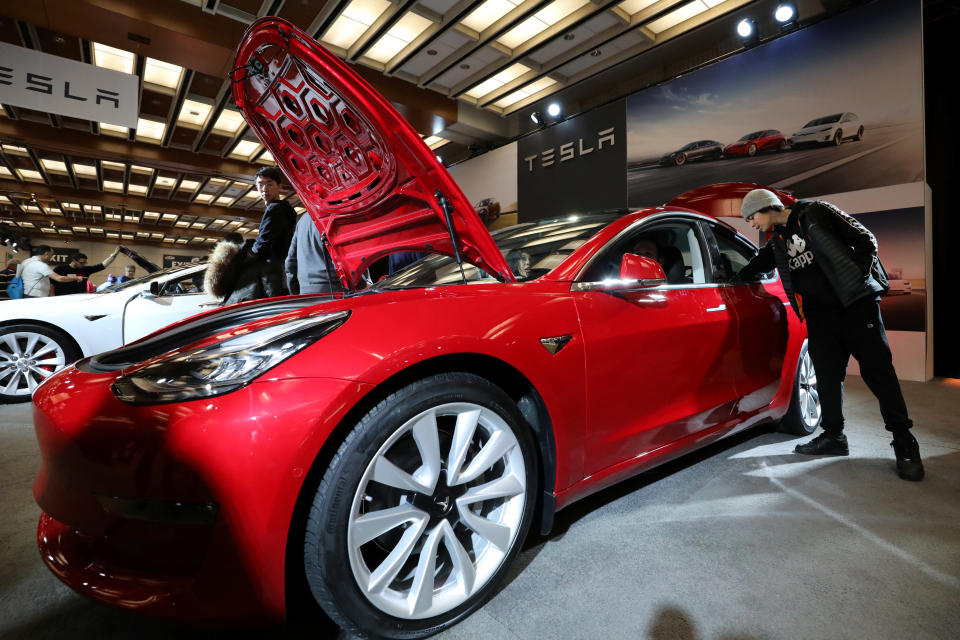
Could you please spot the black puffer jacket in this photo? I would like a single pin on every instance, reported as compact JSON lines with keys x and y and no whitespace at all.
{"x":845,"y":250}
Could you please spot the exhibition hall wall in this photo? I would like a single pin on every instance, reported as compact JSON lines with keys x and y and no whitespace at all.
{"x":866,"y":62}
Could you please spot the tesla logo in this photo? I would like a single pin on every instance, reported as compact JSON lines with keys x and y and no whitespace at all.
{"x":571,"y":150}
{"x":47,"y":85}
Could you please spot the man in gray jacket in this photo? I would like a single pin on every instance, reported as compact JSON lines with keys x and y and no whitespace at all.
{"x":829,"y":269}
{"x":308,"y":267}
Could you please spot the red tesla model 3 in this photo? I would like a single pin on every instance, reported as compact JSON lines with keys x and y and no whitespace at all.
{"x":756,"y":142}
{"x":390,"y":450}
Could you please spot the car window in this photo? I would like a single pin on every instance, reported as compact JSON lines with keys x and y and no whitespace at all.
{"x":531,"y":249}
{"x":734,"y":254}
{"x":674,"y":244}
{"x":184,"y":285}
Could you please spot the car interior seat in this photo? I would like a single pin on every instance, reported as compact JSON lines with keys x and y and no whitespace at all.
{"x":674,"y":267}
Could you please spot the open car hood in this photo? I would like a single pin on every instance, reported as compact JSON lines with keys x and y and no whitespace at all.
{"x":364,"y":175}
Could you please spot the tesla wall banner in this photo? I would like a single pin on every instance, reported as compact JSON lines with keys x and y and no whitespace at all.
{"x":574,"y":166}
{"x":49,"y":83}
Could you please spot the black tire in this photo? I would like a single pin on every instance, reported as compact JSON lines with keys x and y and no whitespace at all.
{"x":859,"y":135}
{"x":837,"y":138}
{"x":782,"y":146}
{"x":752,"y":150}
{"x":680,"y":159}
{"x":30,"y":353}
{"x":804,"y":415}
{"x":346,"y":546}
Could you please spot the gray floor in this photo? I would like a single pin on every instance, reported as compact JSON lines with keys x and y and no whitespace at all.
{"x":743,"y":541}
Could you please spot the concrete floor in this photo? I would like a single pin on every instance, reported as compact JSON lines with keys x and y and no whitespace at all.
{"x":742,"y":541}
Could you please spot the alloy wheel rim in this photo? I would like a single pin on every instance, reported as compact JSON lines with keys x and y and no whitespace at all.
{"x":437,"y":511}
{"x":809,"y":395}
{"x":27,"y":358}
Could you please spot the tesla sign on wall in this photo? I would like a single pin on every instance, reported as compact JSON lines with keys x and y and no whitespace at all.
{"x":575,"y":166}
{"x":53,"y":84}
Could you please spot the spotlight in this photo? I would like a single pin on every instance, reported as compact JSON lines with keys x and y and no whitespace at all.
{"x":537,"y":118}
{"x":553,"y":110}
{"x":747,"y":30}
{"x":786,"y":15}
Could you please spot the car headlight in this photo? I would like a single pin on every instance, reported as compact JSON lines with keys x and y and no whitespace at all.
{"x":226,"y":366}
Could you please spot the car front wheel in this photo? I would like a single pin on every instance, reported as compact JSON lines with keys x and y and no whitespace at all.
{"x":752,"y":150}
{"x":423,"y":508}
{"x":838,"y":138}
{"x":29,"y":354}
{"x":805,"y":413}
{"x":680,"y":159}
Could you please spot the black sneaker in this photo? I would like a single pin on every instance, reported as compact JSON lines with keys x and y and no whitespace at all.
{"x":909,"y":465}
{"x":825,"y":444}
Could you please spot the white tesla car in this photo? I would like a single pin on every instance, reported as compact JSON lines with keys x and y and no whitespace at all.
{"x":41,"y":335}
{"x":832,"y":129}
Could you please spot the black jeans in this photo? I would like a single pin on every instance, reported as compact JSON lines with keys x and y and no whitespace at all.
{"x":836,"y":334}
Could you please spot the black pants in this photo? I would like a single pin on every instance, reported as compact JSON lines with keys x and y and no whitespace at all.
{"x":836,"y":334}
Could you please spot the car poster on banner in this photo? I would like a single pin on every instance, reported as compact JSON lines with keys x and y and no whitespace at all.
{"x":180,"y":261}
{"x":812,"y":113}
{"x":555,"y":163}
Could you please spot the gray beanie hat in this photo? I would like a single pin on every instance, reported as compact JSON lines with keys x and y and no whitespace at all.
{"x":759,"y":199}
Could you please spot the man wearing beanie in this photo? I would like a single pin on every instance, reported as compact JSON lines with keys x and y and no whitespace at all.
{"x":829,"y":269}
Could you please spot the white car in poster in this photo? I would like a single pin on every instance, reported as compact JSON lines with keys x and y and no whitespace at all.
{"x":832,"y":129}
{"x":41,"y":335}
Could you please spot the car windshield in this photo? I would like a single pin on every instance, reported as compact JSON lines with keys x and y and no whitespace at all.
{"x":751,"y":136}
{"x":531,"y":249}
{"x":824,"y":120}
{"x":692,"y":145}
{"x":143,"y":279}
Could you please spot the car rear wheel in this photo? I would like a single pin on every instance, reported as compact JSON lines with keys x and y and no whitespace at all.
{"x":423,"y":508}
{"x":752,"y":150}
{"x":859,"y":136}
{"x":838,"y":137}
{"x":680,"y":159}
{"x":804,"y":415}
{"x":29,"y":354}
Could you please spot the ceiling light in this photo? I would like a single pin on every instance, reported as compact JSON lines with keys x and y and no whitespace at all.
{"x":537,"y":118}
{"x":540,"y":21}
{"x":137,"y":188}
{"x":245,"y":149}
{"x":30,"y":174}
{"x":92,"y":208}
{"x":150,"y":129}
{"x":488,"y":13}
{"x":677,"y":16}
{"x":435,"y":142}
{"x":4,"y":171}
{"x":14,"y":149}
{"x":119,"y":166}
{"x":168,"y":216}
{"x":353,"y":22}
{"x":747,"y":31}
{"x":785,"y":12}
{"x":203,"y":197}
{"x":138,"y":169}
{"x":113,"y":129}
{"x":111,"y":58}
{"x":229,"y":121}
{"x":166,"y":182}
{"x":54,"y":166}
{"x":162,"y":73}
{"x":525,"y":92}
{"x":189,"y":185}
{"x":405,"y":31}
{"x":224,"y":201}
{"x":151,"y":215}
{"x":553,"y":110}
{"x":507,"y":75}
{"x":112,"y":185}
{"x":193,"y":113}
{"x":631,"y":7}
{"x":85,"y":170}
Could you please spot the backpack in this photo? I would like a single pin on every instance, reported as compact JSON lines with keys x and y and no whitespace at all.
{"x":15,"y":288}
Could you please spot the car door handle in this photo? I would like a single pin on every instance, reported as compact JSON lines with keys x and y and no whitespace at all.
{"x":722,"y":307}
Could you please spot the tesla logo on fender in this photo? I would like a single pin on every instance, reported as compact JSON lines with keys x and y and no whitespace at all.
{"x":571,"y":150}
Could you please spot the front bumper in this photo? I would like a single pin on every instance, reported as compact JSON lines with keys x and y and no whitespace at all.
{"x":127,"y":492}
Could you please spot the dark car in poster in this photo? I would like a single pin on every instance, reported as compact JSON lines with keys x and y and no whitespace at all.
{"x":756,"y":142}
{"x":699,"y":150}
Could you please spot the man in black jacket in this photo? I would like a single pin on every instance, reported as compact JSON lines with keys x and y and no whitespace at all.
{"x":262,"y":273}
{"x":829,"y":269}
{"x":78,"y":266}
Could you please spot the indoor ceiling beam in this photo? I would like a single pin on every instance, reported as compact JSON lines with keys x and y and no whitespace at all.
{"x":78,"y":143}
{"x":121,"y":201}
{"x":67,"y":222}
{"x":491,"y":33}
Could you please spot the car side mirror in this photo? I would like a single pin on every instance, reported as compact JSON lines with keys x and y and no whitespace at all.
{"x":152,"y":292}
{"x":646,"y":270}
